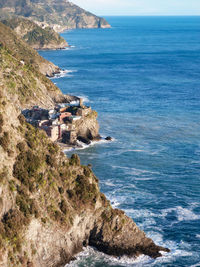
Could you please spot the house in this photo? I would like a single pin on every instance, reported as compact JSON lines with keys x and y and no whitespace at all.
{"x":52,"y":131}
{"x":83,"y":111}
{"x":63,"y":116}
{"x":69,"y":137}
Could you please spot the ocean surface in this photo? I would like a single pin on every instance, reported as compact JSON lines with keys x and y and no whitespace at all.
{"x":143,"y":78}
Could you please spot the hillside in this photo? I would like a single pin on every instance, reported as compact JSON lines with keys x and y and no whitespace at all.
{"x":50,"y":205}
{"x":58,"y":14}
{"x":19,"y":49}
{"x":36,"y":36}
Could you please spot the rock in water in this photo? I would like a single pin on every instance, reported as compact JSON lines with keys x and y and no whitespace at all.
{"x":116,"y":234}
{"x":108,"y":138}
{"x":84,"y":140}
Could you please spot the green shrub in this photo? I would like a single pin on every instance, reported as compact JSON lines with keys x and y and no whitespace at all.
{"x":74,"y":160}
{"x":84,"y":190}
{"x":21,"y":146}
{"x":27,"y":205}
{"x":13,"y":222}
{"x":61,"y":190}
{"x":22,"y":119}
{"x":43,"y":220}
{"x":12,"y":186}
{"x":3,"y":175}
{"x":27,"y":165}
{"x":51,"y":161}
{"x":63,"y":206}
{"x":4,"y":141}
{"x":87,"y":171}
{"x":53,"y":148}
{"x":1,"y":123}
{"x":71,"y":193}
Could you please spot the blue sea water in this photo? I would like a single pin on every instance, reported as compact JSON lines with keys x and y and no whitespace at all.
{"x":143,"y":78}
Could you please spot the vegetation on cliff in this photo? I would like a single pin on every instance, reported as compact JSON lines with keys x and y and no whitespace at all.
{"x":50,"y":205}
{"x":36,"y":36}
{"x":43,"y":192}
{"x":25,"y":81}
{"x":60,"y":14}
{"x":23,"y":52}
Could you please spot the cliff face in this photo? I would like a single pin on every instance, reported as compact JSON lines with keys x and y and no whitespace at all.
{"x":20,"y":50}
{"x":36,"y":36}
{"x":88,"y":126}
{"x":50,"y":206}
{"x":58,"y":14}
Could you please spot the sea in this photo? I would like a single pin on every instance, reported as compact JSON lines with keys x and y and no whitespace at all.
{"x":142,"y":76}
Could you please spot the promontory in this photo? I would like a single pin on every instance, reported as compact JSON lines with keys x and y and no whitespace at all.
{"x":50,"y":205}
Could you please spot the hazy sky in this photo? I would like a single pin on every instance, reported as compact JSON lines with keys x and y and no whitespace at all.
{"x":141,"y":7}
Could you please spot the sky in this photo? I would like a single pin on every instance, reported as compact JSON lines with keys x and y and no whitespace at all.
{"x":140,"y":7}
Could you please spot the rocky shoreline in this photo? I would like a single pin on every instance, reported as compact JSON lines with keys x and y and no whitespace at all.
{"x":51,"y":205}
{"x":71,"y":126}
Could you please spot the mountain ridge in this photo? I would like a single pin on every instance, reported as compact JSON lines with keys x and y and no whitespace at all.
{"x":59,"y":15}
{"x":37,"y":37}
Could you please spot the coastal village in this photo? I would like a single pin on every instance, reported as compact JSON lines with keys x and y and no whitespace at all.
{"x":59,"y":123}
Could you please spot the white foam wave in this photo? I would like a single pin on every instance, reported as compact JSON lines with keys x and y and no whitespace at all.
{"x":90,"y":256}
{"x":134,"y":171}
{"x":84,"y":146}
{"x":183,"y":214}
{"x":85,"y":98}
{"x":69,"y":47}
{"x":109,"y":183}
{"x":115,"y":201}
{"x":142,"y":213}
{"x":196,"y":265}
{"x":64,"y":73}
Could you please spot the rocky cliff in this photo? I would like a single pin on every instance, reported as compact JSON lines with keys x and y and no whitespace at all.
{"x":20,"y":50}
{"x":58,"y":14}
{"x":20,"y":68}
{"x":36,"y":36}
{"x":50,"y":205}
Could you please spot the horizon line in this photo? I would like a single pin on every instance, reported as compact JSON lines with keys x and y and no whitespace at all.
{"x":154,"y":15}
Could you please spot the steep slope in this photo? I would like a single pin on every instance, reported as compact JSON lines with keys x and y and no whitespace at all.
{"x":25,"y":53}
{"x":36,"y":36}
{"x":50,"y":206}
{"x":58,"y":14}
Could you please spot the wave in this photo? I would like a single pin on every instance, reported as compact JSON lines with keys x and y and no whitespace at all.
{"x":84,"y":146}
{"x":182,"y":214}
{"x":195,"y":265}
{"x":85,"y":98}
{"x":90,"y":256}
{"x":110,"y":183}
{"x":63,"y":73}
{"x":69,"y":47}
{"x":134,"y":171}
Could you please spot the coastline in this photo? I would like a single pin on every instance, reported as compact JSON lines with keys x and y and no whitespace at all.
{"x":74,"y":211}
{"x":69,"y":148}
